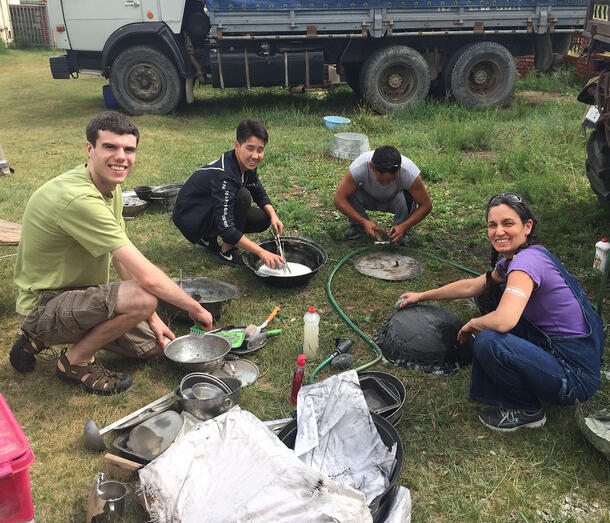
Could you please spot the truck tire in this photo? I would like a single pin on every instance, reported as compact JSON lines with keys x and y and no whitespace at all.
{"x":145,"y":81}
{"x":598,"y":165}
{"x":394,"y":78}
{"x":484,"y":75}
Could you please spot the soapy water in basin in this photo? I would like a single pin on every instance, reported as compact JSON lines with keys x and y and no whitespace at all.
{"x":296,"y":269}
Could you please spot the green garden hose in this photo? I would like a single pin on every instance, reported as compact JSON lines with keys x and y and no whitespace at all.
{"x":368,"y":340}
{"x":372,"y":344}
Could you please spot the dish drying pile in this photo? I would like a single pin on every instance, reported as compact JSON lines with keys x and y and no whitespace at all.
{"x":233,"y":468}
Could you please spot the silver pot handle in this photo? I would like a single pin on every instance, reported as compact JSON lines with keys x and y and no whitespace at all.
{"x":227,"y":403}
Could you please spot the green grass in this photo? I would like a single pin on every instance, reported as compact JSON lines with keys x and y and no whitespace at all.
{"x":456,"y":469}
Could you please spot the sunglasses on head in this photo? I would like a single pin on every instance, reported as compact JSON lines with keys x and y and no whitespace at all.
{"x":510,"y":197}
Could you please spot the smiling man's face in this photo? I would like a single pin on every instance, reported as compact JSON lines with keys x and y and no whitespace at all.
{"x":250,"y":153}
{"x":111,"y":159}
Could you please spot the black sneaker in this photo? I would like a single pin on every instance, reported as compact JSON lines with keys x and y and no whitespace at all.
{"x":353,"y":231}
{"x":22,"y":355}
{"x":506,"y":420}
{"x":210,"y":244}
{"x":232,"y":258}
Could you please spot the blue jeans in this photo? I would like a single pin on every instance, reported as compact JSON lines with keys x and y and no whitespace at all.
{"x":517,"y":369}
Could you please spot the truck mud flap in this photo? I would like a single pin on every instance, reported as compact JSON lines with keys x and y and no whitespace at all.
{"x":246,"y":68}
{"x":61,"y":67}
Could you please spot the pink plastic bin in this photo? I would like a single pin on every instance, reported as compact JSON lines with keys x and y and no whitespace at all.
{"x":15,"y":458}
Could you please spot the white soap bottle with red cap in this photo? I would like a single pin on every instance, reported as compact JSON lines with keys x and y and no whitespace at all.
{"x":311,"y":331}
{"x":601,"y":254}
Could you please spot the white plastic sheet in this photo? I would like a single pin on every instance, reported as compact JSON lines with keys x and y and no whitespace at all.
{"x":337,"y":436}
{"x":232,"y":468}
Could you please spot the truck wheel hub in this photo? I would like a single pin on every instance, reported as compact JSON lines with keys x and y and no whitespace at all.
{"x":145,"y":83}
{"x":480,"y":77}
{"x":395,"y":81}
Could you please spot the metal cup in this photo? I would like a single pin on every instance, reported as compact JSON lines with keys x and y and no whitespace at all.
{"x":106,"y":500}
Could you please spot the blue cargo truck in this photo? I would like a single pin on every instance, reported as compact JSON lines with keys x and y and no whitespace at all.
{"x":391,"y":52}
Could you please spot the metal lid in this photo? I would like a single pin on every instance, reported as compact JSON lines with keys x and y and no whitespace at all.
{"x":389,"y":266}
{"x":244,"y":370}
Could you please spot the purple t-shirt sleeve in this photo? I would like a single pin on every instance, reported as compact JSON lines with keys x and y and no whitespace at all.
{"x":552,"y":306}
{"x":530,"y":262}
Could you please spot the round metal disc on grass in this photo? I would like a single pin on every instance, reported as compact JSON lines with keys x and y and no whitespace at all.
{"x":244,"y":370}
{"x":389,"y":266}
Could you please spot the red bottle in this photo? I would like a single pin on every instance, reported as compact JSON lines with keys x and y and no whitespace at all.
{"x":297,"y":379}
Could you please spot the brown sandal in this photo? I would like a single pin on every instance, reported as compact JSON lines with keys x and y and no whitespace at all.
{"x":100,"y":381}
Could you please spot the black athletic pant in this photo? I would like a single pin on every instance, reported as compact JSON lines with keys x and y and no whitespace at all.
{"x":247,"y":218}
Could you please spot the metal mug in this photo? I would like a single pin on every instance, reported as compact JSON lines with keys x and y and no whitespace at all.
{"x":106,"y":500}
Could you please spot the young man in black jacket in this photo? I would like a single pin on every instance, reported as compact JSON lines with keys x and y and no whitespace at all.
{"x":216,"y":201}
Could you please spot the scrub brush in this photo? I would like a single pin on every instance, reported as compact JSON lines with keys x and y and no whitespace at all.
{"x":196,"y":330}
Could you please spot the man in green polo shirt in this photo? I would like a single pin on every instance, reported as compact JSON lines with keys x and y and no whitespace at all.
{"x":72,"y":229}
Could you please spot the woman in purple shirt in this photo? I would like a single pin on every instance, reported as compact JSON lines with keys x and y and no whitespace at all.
{"x":540,"y":340}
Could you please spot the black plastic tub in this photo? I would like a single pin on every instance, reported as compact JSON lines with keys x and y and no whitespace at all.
{"x":297,"y":250}
{"x":389,"y":435}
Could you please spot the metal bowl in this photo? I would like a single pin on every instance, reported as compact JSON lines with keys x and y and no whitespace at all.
{"x":198,"y":353}
{"x":132,"y":204}
{"x":205,"y":409}
{"x":167,"y":190}
{"x":190,"y":381}
{"x":299,"y":250}
{"x":213,"y":295}
{"x":349,"y":145}
{"x":143,"y":191}
{"x":392,"y":412}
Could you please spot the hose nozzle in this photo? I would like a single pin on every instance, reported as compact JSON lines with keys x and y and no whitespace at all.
{"x":343,"y":346}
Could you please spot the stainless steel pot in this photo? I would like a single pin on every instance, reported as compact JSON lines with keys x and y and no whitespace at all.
{"x":394,"y":412}
{"x":205,"y":409}
{"x":198,"y":353}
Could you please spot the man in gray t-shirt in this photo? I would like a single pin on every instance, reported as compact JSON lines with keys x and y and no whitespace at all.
{"x":382,"y":180}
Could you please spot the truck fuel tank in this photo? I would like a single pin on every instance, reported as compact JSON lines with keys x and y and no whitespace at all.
{"x":242,"y":67}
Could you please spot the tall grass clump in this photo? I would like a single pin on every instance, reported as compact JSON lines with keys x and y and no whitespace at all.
{"x":563,"y":80}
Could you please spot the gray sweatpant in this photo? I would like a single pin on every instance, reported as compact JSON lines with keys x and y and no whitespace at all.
{"x":402,"y":205}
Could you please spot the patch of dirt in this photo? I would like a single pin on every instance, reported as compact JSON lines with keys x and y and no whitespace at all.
{"x":298,"y":191}
{"x":572,"y":508}
{"x":484,"y":155}
{"x":539,"y":97}
{"x":479,"y":251}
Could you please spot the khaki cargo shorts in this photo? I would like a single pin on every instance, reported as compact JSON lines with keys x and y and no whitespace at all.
{"x":65,"y":317}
